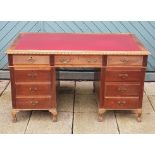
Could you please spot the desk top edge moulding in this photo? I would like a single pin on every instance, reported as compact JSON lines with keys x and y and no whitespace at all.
{"x":135,"y":47}
{"x":118,"y":85}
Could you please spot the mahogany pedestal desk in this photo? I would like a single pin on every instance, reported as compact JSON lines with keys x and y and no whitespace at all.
{"x":120,"y":59}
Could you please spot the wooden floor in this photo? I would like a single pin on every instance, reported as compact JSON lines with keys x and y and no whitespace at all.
{"x":77,"y":113}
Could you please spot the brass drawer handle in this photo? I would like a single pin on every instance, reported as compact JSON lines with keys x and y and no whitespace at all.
{"x":91,"y":60}
{"x":33,"y":75}
{"x":95,"y":60}
{"x":121,"y":102}
{"x":88,"y":60}
{"x":65,"y":61}
{"x":122,"y":89}
{"x":33,"y":89}
{"x":124,"y":60}
{"x":34,"y":102}
{"x":31,"y":60}
{"x":123,"y":76}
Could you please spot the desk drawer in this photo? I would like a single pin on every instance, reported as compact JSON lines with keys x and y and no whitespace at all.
{"x":31,"y":59}
{"x":90,"y":60}
{"x":125,"y":60}
{"x":33,"y":89}
{"x":33,"y":75}
{"x":66,"y":60}
{"x":78,"y":60}
{"x":34,"y":103}
{"x":122,"y":89}
{"x":123,"y":75}
{"x":121,"y":103}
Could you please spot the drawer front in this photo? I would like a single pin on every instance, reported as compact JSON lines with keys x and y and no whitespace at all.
{"x":78,"y":60}
{"x":122,"y":89}
{"x":32,"y":75}
{"x":90,"y":60}
{"x":66,"y":60}
{"x":34,"y":103}
{"x":123,"y":75}
{"x":125,"y":60}
{"x":31,"y":59}
{"x":121,"y":103}
{"x":33,"y":89}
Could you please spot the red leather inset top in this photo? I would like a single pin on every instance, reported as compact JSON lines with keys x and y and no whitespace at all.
{"x":66,"y":41}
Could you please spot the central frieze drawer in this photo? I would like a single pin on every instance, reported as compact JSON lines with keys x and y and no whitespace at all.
{"x":124,"y":60}
{"x":31,"y":59}
{"x":65,"y":60}
{"x":122,"y":89}
{"x":78,"y":60}
{"x":90,"y":60}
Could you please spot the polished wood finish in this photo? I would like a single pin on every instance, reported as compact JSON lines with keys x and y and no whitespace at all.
{"x":32,"y":75}
{"x":65,"y":60}
{"x":121,"y":103}
{"x":125,"y":60}
{"x":122,"y":89}
{"x":90,"y":60}
{"x":12,"y":78}
{"x":33,"y":89}
{"x":34,"y":103}
{"x":30,"y":59}
{"x":121,"y":75}
{"x":119,"y":79}
{"x":78,"y":61}
{"x":122,"y":86}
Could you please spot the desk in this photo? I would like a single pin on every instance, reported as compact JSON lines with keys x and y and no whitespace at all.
{"x":34,"y":57}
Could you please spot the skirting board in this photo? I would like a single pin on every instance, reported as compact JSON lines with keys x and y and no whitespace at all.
{"x":77,"y":75}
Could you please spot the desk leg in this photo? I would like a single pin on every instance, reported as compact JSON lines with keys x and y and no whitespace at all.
{"x":100,"y":114}
{"x":54,"y":114}
{"x":101,"y":110}
{"x":54,"y":84}
{"x":14,"y":115}
{"x":139,"y":115}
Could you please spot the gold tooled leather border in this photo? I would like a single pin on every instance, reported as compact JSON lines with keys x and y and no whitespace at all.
{"x":77,"y":52}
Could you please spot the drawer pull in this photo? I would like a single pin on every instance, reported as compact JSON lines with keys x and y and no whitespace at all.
{"x":95,"y":60}
{"x":65,"y":61}
{"x":124,"y":60}
{"x":122,"y":89}
{"x":33,"y":75}
{"x":121,"y":102}
{"x":31,"y":60}
{"x":34,"y":103}
{"x":91,"y":60}
{"x":123,"y":76}
{"x":88,"y":60}
{"x":33,"y":89}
